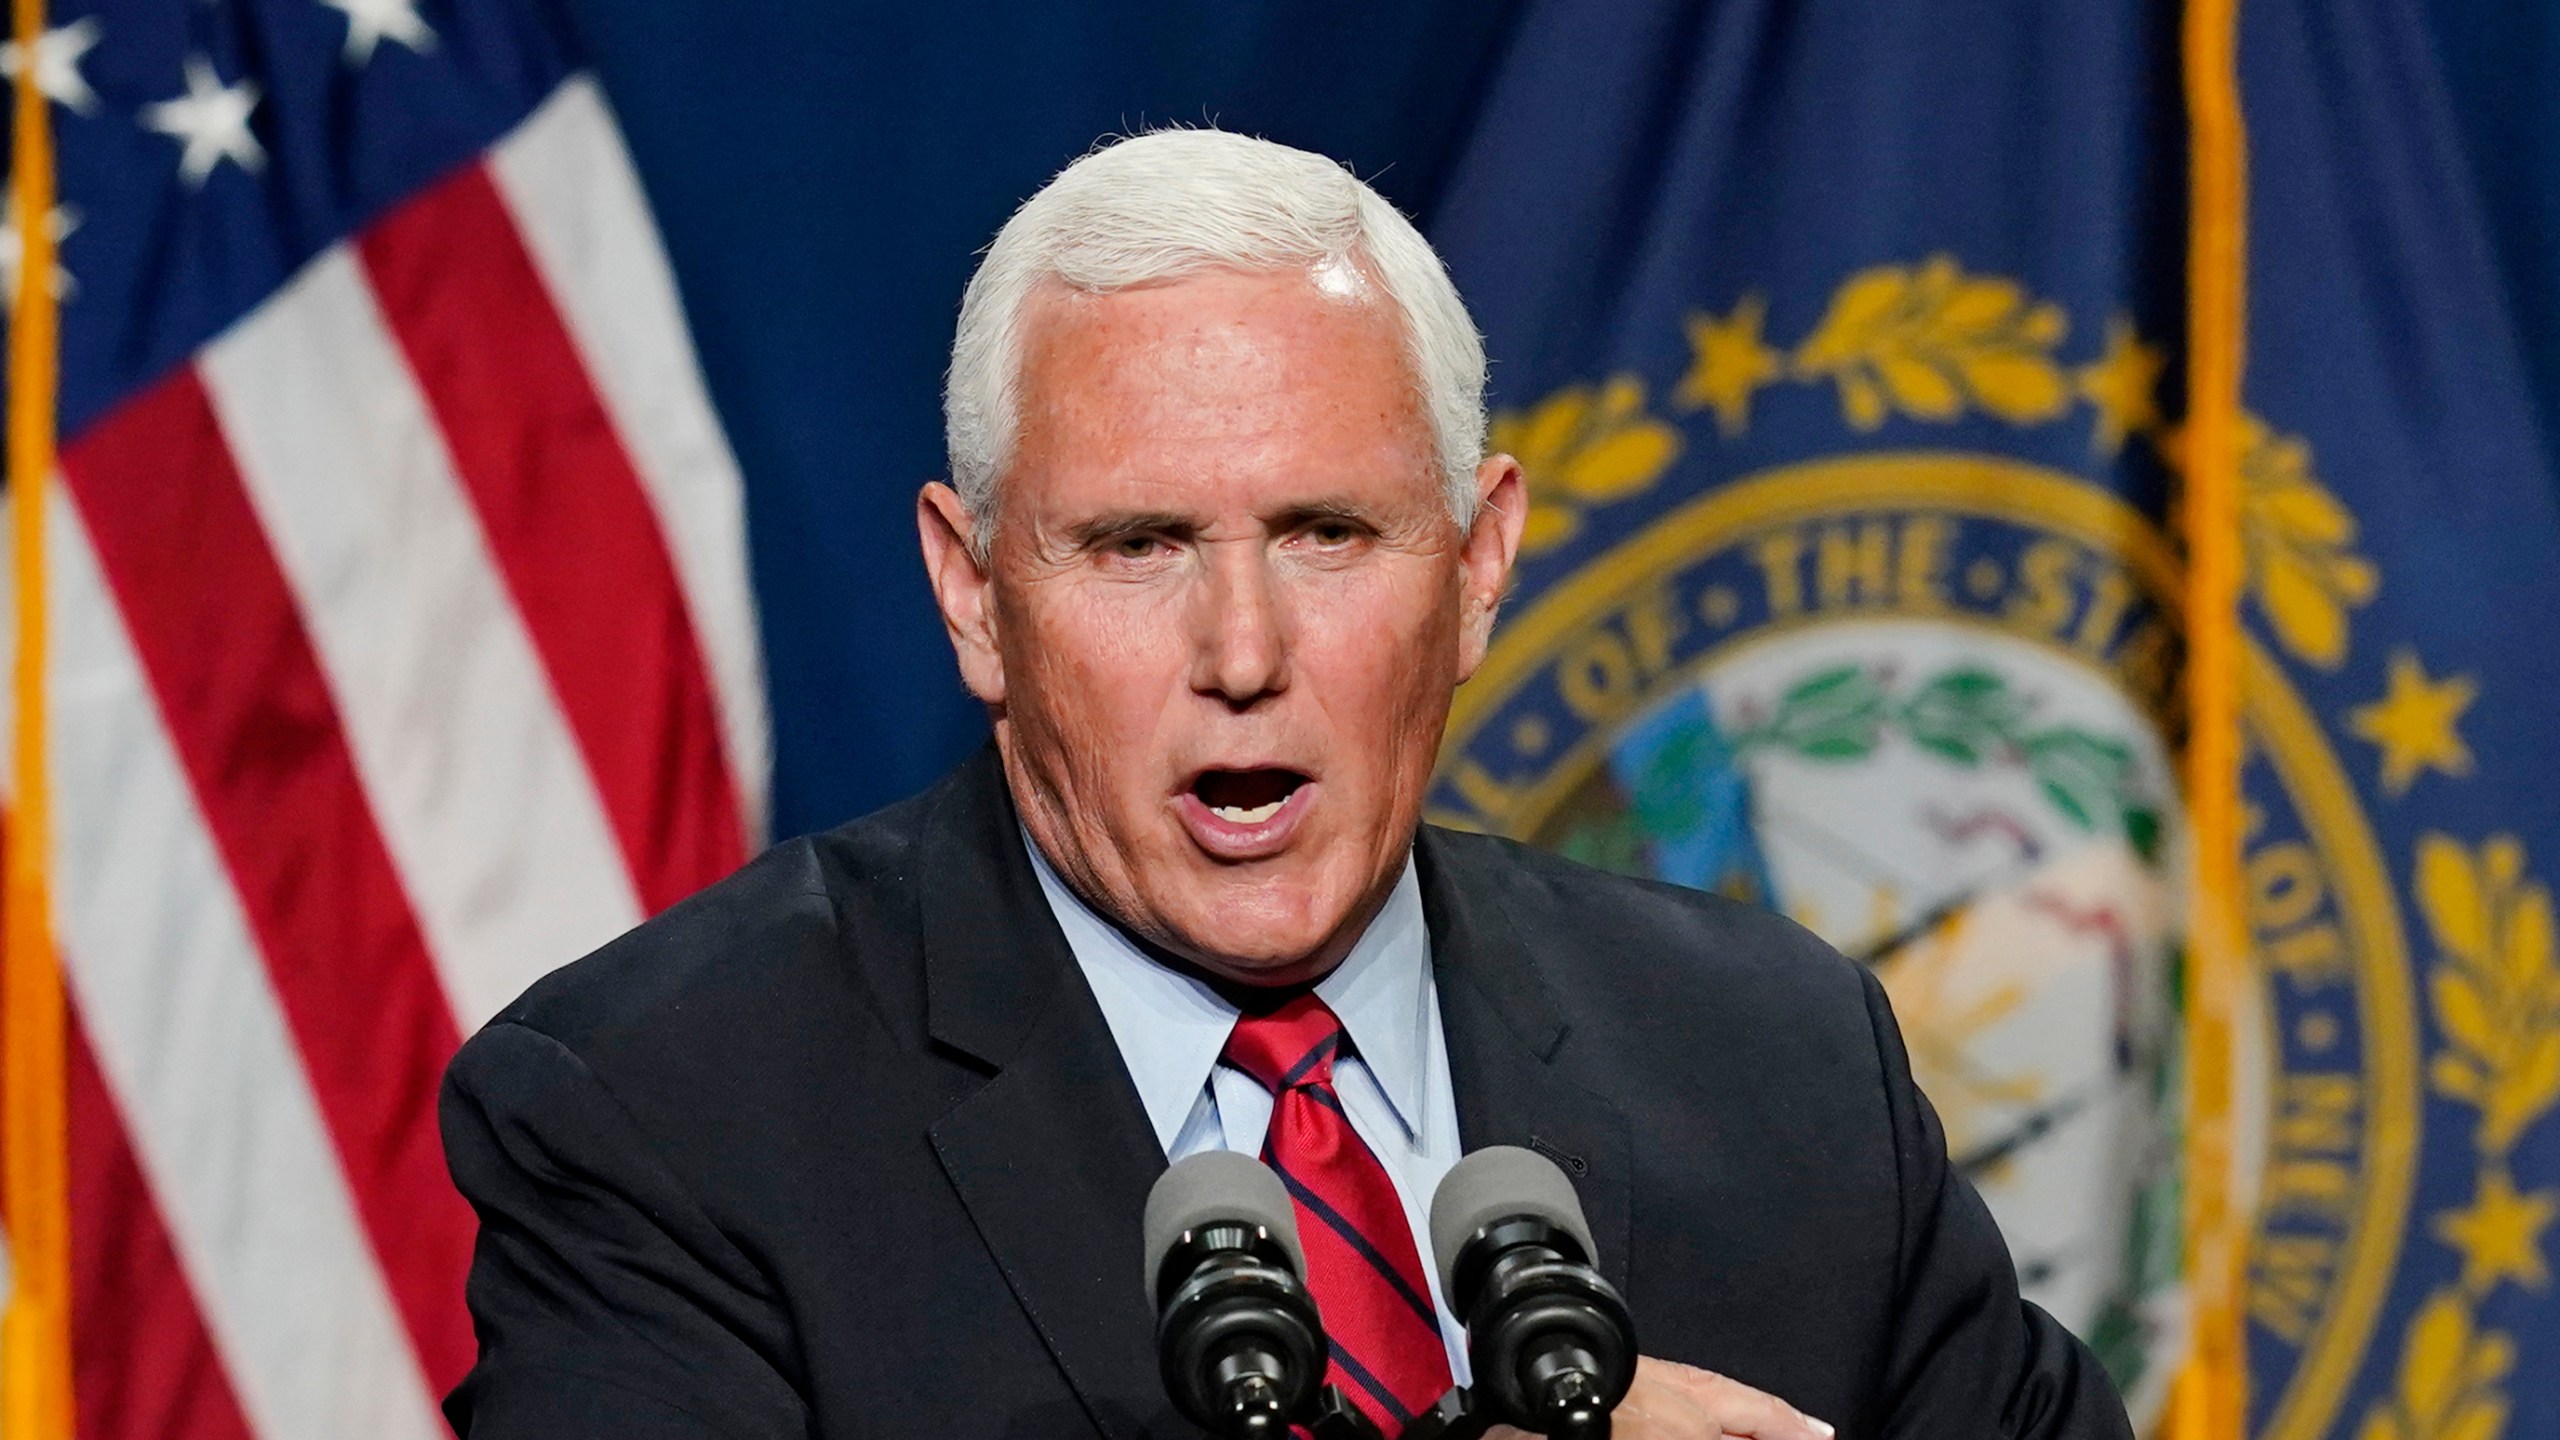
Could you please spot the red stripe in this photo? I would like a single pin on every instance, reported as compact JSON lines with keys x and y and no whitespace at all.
{"x":143,"y":1365}
{"x":249,"y":711}
{"x":569,"y":522}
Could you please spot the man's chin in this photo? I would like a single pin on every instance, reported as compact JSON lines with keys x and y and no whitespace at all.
{"x":1266,"y":972}
{"x":1268,"y":938}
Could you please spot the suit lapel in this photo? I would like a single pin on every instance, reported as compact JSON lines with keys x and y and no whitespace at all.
{"x":1053,"y":1156}
{"x":1506,"y":1035}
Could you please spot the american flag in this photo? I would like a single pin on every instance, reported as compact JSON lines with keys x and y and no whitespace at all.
{"x":400,"y":650}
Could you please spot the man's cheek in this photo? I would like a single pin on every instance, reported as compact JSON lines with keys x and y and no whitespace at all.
{"x":1365,"y":613}
{"x":1108,"y":649}
{"x":1142,"y":630}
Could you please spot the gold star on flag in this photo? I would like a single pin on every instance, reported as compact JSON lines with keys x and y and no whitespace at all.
{"x":2500,"y":1236}
{"x":2123,"y":385}
{"x":1729,"y":364}
{"x":2414,"y":721}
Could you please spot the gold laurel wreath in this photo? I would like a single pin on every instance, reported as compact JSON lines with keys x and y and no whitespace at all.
{"x":1930,"y":342}
{"x":1933,"y":343}
{"x":2449,"y":1379}
{"x":1582,"y":447}
{"x":2299,"y":542}
{"x":2495,"y":989}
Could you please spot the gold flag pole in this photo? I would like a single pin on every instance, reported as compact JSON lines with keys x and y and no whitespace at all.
{"x":2210,"y":1401}
{"x":35,"y":1330}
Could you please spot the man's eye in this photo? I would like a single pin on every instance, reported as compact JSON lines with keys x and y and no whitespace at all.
{"x":1136,"y":547}
{"x":1333,"y":532}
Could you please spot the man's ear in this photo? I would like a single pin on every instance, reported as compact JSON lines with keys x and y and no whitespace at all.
{"x":1492,"y":543}
{"x":961,"y":588}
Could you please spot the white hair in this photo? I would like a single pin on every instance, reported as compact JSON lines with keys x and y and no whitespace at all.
{"x":1172,"y":203}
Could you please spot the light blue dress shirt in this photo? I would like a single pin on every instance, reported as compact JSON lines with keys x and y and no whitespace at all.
{"x":1395,"y":1089}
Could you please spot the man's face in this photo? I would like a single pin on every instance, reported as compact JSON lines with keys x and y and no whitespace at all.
{"x":1225,"y":608}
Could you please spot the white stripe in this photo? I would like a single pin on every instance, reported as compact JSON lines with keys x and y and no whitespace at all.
{"x":484,"y":800}
{"x":576,"y":202}
{"x":193,"y":1044}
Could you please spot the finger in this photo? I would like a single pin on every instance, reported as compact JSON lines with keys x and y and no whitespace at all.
{"x":1737,"y":1407}
{"x":1656,"y":1411}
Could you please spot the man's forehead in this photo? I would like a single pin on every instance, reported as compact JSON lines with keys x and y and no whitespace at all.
{"x":1175,"y":394}
{"x":1336,"y":298}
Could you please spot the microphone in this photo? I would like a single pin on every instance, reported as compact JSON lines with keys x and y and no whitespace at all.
{"x":1242,"y":1351}
{"x":1550,"y":1342}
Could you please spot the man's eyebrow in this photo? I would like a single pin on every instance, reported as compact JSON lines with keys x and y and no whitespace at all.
{"x":1112,"y":524}
{"x":1323,"y":507}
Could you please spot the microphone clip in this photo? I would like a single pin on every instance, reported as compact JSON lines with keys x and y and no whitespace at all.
{"x":1336,"y":1418}
{"x":1459,"y":1417}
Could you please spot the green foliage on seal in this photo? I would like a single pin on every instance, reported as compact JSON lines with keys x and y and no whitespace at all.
{"x":1971,"y":717}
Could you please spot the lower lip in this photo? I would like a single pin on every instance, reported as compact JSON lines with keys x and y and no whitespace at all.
{"x":1227,"y":840}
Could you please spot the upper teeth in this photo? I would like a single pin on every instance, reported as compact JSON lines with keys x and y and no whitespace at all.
{"x":1239,"y":815}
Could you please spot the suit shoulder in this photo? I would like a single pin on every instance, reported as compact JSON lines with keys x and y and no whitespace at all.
{"x":1615,"y":928}
{"x":793,"y":917}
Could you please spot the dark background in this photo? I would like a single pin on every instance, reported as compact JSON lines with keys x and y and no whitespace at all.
{"x":824,"y":173}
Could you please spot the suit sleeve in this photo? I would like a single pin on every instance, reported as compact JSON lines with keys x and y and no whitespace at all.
{"x":1967,"y":1351}
{"x":606,"y":1303}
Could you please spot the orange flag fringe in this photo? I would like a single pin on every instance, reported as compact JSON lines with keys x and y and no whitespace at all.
{"x":35,"y":1331}
{"x":2211,"y":1399}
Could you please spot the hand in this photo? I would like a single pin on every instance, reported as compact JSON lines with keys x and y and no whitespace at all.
{"x":1671,"y":1401}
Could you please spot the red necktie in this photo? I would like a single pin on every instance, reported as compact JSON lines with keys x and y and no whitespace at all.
{"x":1361,"y":1262}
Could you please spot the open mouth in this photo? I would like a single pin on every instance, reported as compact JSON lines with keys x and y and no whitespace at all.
{"x":1246,"y":797}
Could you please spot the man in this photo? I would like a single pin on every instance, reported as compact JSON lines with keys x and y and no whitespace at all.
{"x":856,"y":1142}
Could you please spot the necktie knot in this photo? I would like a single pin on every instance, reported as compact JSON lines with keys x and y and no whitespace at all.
{"x":1290,"y":1047}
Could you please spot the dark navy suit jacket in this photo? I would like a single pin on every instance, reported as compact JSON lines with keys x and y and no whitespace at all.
{"x":842,"y":1147}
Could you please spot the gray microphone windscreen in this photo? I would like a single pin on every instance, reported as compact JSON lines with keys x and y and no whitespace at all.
{"x":1500,"y":1182}
{"x":1213,"y":1187}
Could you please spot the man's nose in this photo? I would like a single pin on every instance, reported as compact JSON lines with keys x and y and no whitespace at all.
{"x":1242,"y":653}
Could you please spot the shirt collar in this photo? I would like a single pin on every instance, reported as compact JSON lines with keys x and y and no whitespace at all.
{"x":1382,"y":993}
{"x":1171,"y":1027}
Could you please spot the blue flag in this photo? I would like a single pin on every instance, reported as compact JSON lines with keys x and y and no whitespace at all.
{"x":1841,"y":345}
{"x":2404,"y":573}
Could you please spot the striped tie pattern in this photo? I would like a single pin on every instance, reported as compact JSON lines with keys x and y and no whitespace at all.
{"x":1362,"y":1266}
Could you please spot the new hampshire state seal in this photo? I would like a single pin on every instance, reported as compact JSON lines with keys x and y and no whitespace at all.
{"x":1923,"y":702}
